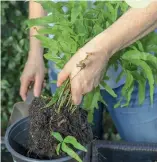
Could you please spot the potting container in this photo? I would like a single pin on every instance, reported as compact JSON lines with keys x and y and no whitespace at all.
{"x":106,"y":151}
{"x":16,"y":138}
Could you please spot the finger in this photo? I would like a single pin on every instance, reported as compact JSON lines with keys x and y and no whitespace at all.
{"x":38,"y":85}
{"x":62,"y":76}
{"x":24,"y":88}
{"x":88,"y":89}
{"x":76,"y":91}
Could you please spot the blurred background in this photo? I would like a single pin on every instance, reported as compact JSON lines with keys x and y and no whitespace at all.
{"x":14,"y":48}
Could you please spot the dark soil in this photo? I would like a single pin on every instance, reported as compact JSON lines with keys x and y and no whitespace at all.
{"x":43,"y":121}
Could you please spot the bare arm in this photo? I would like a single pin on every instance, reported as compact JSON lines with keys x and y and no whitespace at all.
{"x":133,"y":25}
{"x":35,"y":11}
{"x":34,"y":67}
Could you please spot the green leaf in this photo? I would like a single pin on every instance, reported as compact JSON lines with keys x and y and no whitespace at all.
{"x":49,"y":30}
{"x":65,"y":46}
{"x":128,"y":95}
{"x":124,"y":6}
{"x":141,"y":86}
{"x":107,"y":24}
{"x":87,"y":101}
{"x":141,"y":91}
{"x":119,"y":76}
{"x":70,"y":152}
{"x":72,"y":140}
{"x":134,"y":54}
{"x":57,"y":135}
{"x":128,"y":83}
{"x":75,"y":12}
{"x":97,"y":29}
{"x":108,"y":89}
{"x":90,"y":116}
{"x":53,"y":101}
{"x":148,"y":72}
{"x":80,"y":28}
{"x":47,"y":42}
{"x":91,"y":100}
{"x":39,"y":21}
{"x":116,"y":10}
{"x":58,"y":148}
{"x":117,"y":104}
{"x":50,"y":56}
{"x":55,"y":97}
{"x":111,"y":10}
{"x":49,"y":6}
{"x":133,"y":47}
{"x":140,"y":46}
{"x":152,"y":48}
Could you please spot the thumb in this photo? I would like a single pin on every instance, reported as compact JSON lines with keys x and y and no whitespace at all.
{"x":62,"y":76}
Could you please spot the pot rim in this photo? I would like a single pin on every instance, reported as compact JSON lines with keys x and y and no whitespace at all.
{"x":16,"y":154}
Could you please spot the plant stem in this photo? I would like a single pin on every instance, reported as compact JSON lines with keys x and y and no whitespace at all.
{"x":63,"y":91}
{"x":68,"y":100}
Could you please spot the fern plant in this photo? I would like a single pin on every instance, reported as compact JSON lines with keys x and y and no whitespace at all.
{"x":81,"y":22}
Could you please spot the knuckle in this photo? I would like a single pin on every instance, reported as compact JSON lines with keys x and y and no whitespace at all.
{"x":88,"y":89}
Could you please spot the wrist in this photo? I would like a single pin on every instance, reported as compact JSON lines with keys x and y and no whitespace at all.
{"x":109,"y":43}
{"x":35,"y":55}
{"x":103,"y":44}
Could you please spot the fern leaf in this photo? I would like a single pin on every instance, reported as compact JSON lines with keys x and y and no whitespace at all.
{"x":134,"y":54}
{"x":108,"y":89}
{"x":128,"y":95}
{"x":148,"y":72}
{"x":141,"y":86}
{"x":128,"y":83}
{"x":91,"y":102}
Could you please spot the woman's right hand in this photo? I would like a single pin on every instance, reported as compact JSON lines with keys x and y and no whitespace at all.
{"x":33,"y":71}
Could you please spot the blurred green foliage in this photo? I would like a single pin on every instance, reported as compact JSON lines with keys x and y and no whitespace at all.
{"x":14,"y":48}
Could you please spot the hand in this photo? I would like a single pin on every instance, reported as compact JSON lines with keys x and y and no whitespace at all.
{"x":83,"y":79}
{"x":33,"y":71}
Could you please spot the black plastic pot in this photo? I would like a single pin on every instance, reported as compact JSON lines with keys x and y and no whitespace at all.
{"x":106,"y":151}
{"x":16,"y":138}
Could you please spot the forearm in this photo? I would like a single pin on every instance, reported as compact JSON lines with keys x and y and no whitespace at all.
{"x":35,"y":11}
{"x":150,"y":29}
{"x":132,"y":26}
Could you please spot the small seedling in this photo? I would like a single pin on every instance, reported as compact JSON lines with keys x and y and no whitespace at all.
{"x":64,"y":145}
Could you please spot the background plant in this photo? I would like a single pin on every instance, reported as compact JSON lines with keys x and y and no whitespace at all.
{"x":14,"y":48}
{"x":73,"y":28}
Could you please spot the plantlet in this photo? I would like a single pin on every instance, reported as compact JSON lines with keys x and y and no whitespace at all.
{"x":63,"y":145}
